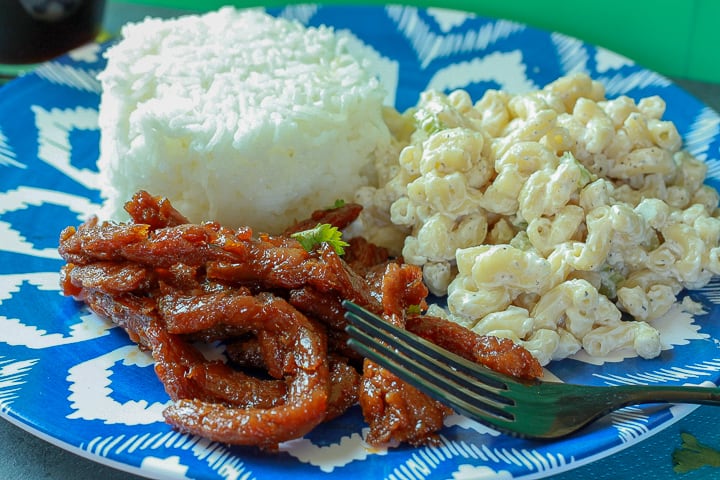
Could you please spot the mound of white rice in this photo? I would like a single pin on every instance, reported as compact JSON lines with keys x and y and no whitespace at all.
{"x":237,"y":116}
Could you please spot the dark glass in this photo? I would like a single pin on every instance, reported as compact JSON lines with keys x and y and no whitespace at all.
{"x":33,"y":31}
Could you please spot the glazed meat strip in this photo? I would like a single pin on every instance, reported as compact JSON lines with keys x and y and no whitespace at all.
{"x":116,"y":277}
{"x":344,"y":386}
{"x":276,"y":308}
{"x":182,"y":369}
{"x":402,"y":288}
{"x":300,"y":355}
{"x":262,"y":314}
{"x":155,"y":211}
{"x":237,"y":388}
{"x":395,"y":411}
{"x":344,"y":378}
{"x":324,"y":307}
{"x":268,"y":318}
{"x":274,"y":262}
{"x":173,"y":356}
{"x":190,"y":244}
{"x":363,"y":256}
{"x":245,"y":352}
{"x":339,"y":217}
{"x":499,"y":354}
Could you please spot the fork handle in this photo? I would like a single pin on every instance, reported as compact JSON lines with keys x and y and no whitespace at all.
{"x":624,"y":395}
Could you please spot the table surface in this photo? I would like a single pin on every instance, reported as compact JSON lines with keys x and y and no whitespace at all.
{"x":24,"y":456}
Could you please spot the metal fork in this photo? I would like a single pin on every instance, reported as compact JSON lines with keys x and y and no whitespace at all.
{"x":524,"y":408}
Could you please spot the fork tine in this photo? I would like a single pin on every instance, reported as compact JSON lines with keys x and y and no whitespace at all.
{"x":437,"y":379}
{"x":426,"y":380}
{"x":457,"y":385}
{"x":453,"y":363}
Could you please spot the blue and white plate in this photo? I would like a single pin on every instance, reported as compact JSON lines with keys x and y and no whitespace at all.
{"x":77,"y":381}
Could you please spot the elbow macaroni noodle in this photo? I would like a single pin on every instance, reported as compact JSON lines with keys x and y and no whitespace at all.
{"x":546,"y":216}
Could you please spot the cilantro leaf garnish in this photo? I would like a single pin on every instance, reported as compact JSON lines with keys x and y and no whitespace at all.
{"x":693,"y":455}
{"x":322,"y":233}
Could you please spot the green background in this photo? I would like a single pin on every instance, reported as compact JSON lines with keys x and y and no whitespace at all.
{"x":677,"y":38}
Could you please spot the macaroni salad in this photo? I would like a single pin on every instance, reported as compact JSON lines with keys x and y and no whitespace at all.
{"x":550,"y":217}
